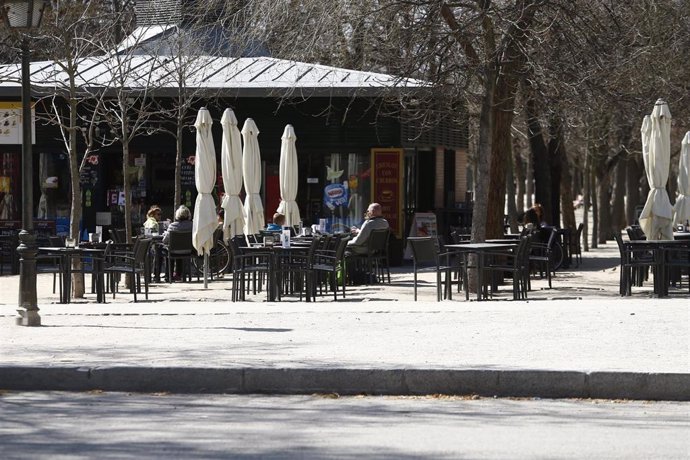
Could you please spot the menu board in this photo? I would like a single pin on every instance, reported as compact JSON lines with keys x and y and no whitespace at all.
{"x":187,"y":182}
{"x":423,"y":224}
{"x":11,"y":123}
{"x":386,"y":185}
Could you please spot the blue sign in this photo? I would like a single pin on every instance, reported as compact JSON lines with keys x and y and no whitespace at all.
{"x":335,"y":196}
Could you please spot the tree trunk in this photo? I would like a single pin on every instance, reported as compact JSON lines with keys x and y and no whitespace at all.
{"x":566,"y":182}
{"x":632,"y":188}
{"x":618,"y":201}
{"x":75,"y":210}
{"x":500,"y":155}
{"x":604,"y":206}
{"x":484,"y":152}
{"x":529,"y":181}
{"x":125,"y":176}
{"x":510,"y":192}
{"x":178,"y":155}
{"x":593,"y":187}
{"x":556,"y":156}
{"x":540,"y":158}
{"x":520,"y":179}
{"x":587,"y":199}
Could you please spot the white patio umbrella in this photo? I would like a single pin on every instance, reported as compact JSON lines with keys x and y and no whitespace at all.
{"x":251,"y":171}
{"x":205,"y":221}
{"x":681,"y":210}
{"x":231,"y":165}
{"x":288,"y":177}
{"x":657,"y":215}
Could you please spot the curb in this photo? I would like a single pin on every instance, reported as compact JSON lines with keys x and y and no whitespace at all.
{"x":502,"y":383}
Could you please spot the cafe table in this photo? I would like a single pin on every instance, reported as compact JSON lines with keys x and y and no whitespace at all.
{"x":66,"y":254}
{"x":481,"y":249}
{"x":278,"y":254}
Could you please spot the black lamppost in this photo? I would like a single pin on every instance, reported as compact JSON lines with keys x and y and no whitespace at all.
{"x":24,"y":15}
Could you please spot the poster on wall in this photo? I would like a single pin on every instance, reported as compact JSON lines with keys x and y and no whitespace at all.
{"x":386,"y":185}
{"x":11,"y":123}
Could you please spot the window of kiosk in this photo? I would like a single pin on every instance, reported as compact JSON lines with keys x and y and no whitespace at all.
{"x":346,"y":191}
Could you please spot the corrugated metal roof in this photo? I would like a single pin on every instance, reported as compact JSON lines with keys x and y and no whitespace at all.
{"x":250,"y":76}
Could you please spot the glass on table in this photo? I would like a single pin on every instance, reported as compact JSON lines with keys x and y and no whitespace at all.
{"x":70,"y":242}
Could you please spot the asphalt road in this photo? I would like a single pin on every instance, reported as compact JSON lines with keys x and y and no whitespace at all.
{"x":121,"y":425}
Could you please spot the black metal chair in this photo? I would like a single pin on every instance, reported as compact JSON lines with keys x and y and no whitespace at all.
{"x":633,"y":262}
{"x":249,"y":267}
{"x":576,"y":244}
{"x":374,"y":264}
{"x":426,"y":256}
{"x":517,"y":264}
{"x":180,"y":248}
{"x":293,"y":270}
{"x":134,"y":265}
{"x":541,"y":251}
{"x":676,"y":264}
{"x":328,"y":267}
{"x":50,"y":263}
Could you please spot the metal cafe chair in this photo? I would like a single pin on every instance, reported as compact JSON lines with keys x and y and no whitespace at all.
{"x":180,"y":249}
{"x":516,"y":263}
{"x":374,"y":263}
{"x":632,"y":260}
{"x":249,"y":267}
{"x":541,"y":252}
{"x":134,"y":265}
{"x":426,"y":256}
{"x":328,"y":265}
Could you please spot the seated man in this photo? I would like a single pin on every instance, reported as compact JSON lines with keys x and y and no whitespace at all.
{"x":373,"y":221}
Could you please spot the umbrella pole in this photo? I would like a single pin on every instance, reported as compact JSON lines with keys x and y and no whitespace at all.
{"x":205,"y":269}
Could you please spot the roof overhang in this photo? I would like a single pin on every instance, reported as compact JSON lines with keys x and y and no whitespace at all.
{"x":166,"y":76}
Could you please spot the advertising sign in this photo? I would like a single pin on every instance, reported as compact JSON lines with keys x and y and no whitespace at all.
{"x":387,"y":185}
{"x":335,"y":195}
{"x":11,"y":123}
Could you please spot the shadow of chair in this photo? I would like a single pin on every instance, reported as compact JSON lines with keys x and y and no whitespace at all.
{"x":515,"y":263}
{"x":179,"y":249}
{"x":427,"y":257}
{"x":134,"y":265}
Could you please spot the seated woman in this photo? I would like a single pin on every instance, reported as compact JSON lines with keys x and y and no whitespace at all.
{"x":278,"y":222}
{"x":153,"y":215}
{"x":183,"y":223}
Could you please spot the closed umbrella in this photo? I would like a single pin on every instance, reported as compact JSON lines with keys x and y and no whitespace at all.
{"x":251,"y":171}
{"x":231,"y":165}
{"x":657,"y":215}
{"x":288,"y":177}
{"x":681,"y":210}
{"x":205,"y":221}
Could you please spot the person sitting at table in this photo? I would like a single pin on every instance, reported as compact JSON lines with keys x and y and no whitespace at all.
{"x":152,"y":217}
{"x":183,"y":223}
{"x":278,"y":222}
{"x":373,"y":220}
{"x":533,"y":218}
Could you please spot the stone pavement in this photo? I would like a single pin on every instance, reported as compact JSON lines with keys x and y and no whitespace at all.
{"x":579,"y":339}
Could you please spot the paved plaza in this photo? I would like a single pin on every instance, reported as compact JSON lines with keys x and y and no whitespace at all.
{"x":579,"y":339}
